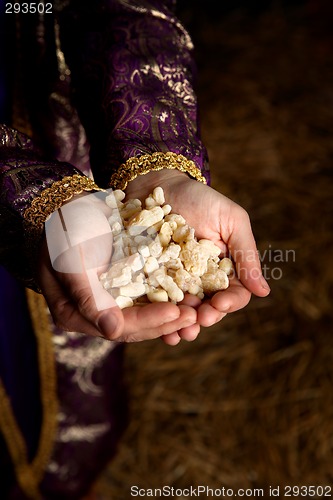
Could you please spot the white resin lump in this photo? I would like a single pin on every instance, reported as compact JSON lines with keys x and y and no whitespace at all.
{"x":156,"y":255}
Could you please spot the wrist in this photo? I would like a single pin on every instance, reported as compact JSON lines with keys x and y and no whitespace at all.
{"x":155,"y":162}
{"x":143,"y":185}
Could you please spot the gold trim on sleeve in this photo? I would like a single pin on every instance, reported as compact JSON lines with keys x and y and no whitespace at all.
{"x":144,"y":164}
{"x":53,"y":197}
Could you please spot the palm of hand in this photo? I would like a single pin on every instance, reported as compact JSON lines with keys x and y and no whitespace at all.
{"x":204,"y":209}
{"x":219,"y":219}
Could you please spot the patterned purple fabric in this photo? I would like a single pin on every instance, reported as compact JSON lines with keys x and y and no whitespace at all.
{"x":92,"y":413}
{"x":135,"y":59}
{"x":24,"y":173}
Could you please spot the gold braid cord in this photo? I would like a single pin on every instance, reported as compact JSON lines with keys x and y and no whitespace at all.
{"x":144,"y":164}
{"x":28,"y":474}
{"x":55,"y":196}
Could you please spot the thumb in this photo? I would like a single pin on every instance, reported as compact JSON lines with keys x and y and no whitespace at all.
{"x":244,"y":252}
{"x":94,"y":303}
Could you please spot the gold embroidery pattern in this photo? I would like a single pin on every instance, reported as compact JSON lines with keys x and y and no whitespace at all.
{"x":28,"y":474}
{"x":144,"y":164}
{"x":55,"y":196}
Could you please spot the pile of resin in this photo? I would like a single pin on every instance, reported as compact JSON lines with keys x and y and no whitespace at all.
{"x":156,"y":255}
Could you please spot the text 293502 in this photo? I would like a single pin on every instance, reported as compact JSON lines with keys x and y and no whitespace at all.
{"x":28,"y":8}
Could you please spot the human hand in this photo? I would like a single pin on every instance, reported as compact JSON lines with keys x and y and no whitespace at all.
{"x":79,"y":248}
{"x":217,"y":218}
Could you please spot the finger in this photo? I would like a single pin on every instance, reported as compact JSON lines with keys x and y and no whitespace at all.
{"x":171,"y":339}
{"x":63,"y":310}
{"x":209,"y":315}
{"x":78,"y":277}
{"x":233,"y":298}
{"x":190,"y":333}
{"x":155,"y":320}
{"x":243,"y":249}
{"x":191,"y":300}
{"x":94,"y":303}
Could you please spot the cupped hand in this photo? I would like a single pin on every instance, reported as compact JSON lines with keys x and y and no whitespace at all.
{"x":77,"y":248}
{"x":217,"y":218}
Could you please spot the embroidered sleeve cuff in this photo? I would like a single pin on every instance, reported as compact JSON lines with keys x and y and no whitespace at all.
{"x":53,"y":197}
{"x":144,"y":164}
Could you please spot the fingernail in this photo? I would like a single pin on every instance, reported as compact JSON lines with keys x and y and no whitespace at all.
{"x":264,"y":284}
{"x":107,"y":323}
